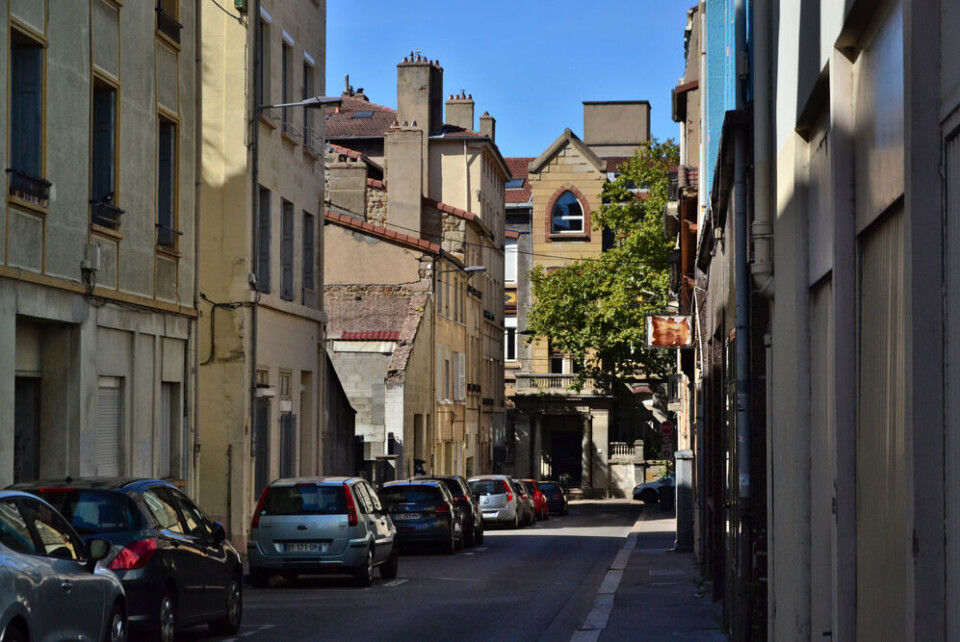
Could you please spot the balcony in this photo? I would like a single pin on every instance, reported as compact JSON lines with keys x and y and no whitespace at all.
{"x":623,"y":452}
{"x":557,"y":385}
{"x":167,"y":24}
{"x":29,"y":189}
{"x":105,"y":215}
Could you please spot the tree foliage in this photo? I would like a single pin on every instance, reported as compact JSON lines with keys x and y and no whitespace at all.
{"x":594,"y":309}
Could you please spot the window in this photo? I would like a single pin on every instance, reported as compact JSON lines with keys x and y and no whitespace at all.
{"x":104,"y":156}
{"x":286,"y":83}
{"x":14,"y":533}
{"x":460,"y":362}
{"x":510,"y":338}
{"x":167,"y":19}
{"x":194,"y":522}
{"x":288,"y":441}
{"x":307,"y":113}
{"x":107,"y":440}
{"x":510,"y":260}
{"x":366,"y":113}
{"x":163,"y":510}
{"x":263,"y":56}
{"x":514,"y":183}
{"x":167,"y":183}
{"x":284,"y":384}
{"x":263,"y":241}
{"x":446,"y":374}
{"x":26,"y":121}
{"x":53,"y":531}
{"x":309,"y":254}
{"x":567,"y":214}
{"x":169,"y":465}
{"x":286,"y":251}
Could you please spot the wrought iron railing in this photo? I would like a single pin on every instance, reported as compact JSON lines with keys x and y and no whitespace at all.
{"x":167,"y":24}
{"x":105,"y":215}
{"x":28,"y":188}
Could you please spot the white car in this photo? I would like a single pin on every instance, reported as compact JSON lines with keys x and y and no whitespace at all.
{"x":650,"y":492}
{"x":499,"y":502}
{"x":51,"y":586}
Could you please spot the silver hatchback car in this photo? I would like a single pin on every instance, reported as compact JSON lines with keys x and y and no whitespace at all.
{"x":51,"y":586}
{"x":499,"y":502}
{"x":307,"y":526}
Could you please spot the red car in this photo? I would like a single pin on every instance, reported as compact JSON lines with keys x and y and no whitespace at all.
{"x":540,"y":506}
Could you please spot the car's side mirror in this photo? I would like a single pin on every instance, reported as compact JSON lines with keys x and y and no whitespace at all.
{"x":218,"y":533}
{"x":97,"y":549}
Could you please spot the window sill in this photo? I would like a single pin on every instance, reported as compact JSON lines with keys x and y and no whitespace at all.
{"x":310,"y":153}
{"x":106,"y":231}
{"x":269,"y":120}
{"x":169,"y":41}
{"x":568,"y":236}
{"x":34,"y":208}
{"x":289,"y":138}
{"x":170,"y":252}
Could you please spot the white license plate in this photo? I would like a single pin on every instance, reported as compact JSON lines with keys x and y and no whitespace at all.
{"x":403,"y":516}
{"x":304,"y":547}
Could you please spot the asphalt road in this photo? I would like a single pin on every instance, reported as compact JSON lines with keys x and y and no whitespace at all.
{"x":537,"y":583}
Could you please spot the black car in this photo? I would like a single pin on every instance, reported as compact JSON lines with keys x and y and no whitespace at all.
{"x":555,"y":496}
{"x":175,"y":564}
{"x":424,"y":512}
{"x":469,"y":506}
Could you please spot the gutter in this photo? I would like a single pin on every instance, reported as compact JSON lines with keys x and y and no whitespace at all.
{"x":762,"y":228}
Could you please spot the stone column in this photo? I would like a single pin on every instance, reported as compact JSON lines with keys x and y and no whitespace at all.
{"x":586,"y":478}
{"x":536,"y":424}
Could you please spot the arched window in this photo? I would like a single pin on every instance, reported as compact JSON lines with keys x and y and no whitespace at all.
{"x":567,"y":214}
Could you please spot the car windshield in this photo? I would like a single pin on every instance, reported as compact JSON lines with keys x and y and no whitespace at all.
{"x":304,"y":499}
{"x":94,"y":511}
{"x":487,"y":486}
{"x":409,"y":494}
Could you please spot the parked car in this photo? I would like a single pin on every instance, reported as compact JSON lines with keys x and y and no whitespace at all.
{"x":424,"y":511}
{"x":556,"y":497}
{"x":499,"y":503}
{"x":51,"y":585}
{"x":651,"y":492}
{"x":176,"y":566}
{"x":314,"y":525}
{"x":529,"y":515}
{"x":469,"y":505}
{"x":540,"y":508}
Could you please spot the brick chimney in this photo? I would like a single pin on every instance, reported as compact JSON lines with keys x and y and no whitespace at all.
{"x":488,"y":126}
{"x":460,"y":110}
{"x":403,"y":155}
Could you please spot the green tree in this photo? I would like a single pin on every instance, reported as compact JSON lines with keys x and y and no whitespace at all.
{"x":594,"y":309}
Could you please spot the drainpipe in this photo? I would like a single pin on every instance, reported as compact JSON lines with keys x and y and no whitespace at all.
{"x":255,"y":205}
{"x":742,"y":302}
{"x":197,"y":192}
{"x":762,"y":228}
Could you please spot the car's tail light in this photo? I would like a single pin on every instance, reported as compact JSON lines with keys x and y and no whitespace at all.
{"x":509,"y":494}
{"x":352,"y":518}
{"x":135,"y":555}
{"x":256,"y":513}
{"x":442,"y":509}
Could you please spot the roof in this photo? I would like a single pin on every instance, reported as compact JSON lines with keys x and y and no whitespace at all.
{"x":342,"y":123}
{"x":614,"y":163}
{"x":688,"y":177}
{"x":519,"y":169}
{"x":457,"y":212}
{"x":346,"y":152}
{"x":378,"y":231}
{"x":511,"y":234}
{"x":371,"y":335}
{"x":567,"y":138}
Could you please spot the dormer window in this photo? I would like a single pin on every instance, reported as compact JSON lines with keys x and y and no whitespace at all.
{"x":567,"y":214}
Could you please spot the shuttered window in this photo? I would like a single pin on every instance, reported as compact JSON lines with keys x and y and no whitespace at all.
{"x":26,"y":106}
{"x":510,"y":260}
{"x":108,"y":433}
{"x":309,"y":253}
{"x":439,"y":372}
{"x":260,"y":444}
{"x":263,"y":241}
{"x":286,"y":251}
{"x":166,"y":182}
{"x":461,"y":376}
{"x":104,"y":142}
{"x":288,"y":440}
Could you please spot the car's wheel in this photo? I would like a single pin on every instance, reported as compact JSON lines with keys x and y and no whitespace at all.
{"x":478,"y":538}
{"x":15,"y":633}
{"x":259,"y":578}
{"x":470,"y":537}
{"x":388,"y":570}
{"x":167,"y":619}
{"x":450,"y":545}
{"x":364,"y":574}
{"x":230,"y":622}
{"x":649,"y":496}
{"x":116,"y":624}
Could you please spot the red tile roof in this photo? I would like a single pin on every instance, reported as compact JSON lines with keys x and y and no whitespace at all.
{"x":370,"y":335}
{"x":375,"y":184}
{"x":340,"y":149}
{"x":340,"y":123}
{"x":614,"y":162}
{"x":450,"y":209}
{"x":511,"y":234}
{"x":358,"y":225}
{"x":519,"y":168}
{"x":688,"y":177}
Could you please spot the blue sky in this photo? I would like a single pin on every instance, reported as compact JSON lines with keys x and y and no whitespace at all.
{"x":530,"y":63}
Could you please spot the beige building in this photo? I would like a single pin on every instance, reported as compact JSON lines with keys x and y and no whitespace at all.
{"x":442,"y":183}
{"x":262,"y":356}
{"x":98,"y":257}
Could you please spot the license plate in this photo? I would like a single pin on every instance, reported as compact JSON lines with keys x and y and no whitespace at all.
{"x":304,"y":547}
{"x":403,"y":516}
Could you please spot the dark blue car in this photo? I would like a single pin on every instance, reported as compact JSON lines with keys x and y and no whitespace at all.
{"x":175,"y":564}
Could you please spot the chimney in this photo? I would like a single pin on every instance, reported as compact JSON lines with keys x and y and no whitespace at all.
{"x":420,"y":103}
{"x":488,"y":126}
{"x":460,"y":111}
{"x":403,"y":155}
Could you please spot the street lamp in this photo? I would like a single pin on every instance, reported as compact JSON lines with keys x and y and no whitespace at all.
{"x":314,"y":102}
{"x":469,"y":270}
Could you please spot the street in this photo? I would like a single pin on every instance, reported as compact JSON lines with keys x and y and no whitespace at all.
{"x":536,"y":583}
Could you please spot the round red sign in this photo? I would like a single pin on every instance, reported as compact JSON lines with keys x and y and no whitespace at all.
{"x":666,"y":427}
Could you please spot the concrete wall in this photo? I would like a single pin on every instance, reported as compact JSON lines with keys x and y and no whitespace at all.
{"x":616,"y":127}
{"x":352,"y":257}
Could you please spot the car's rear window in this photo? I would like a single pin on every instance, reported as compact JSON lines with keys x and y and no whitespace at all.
{"x":304,"y":499}
{"x":95,"y":511}
{"x":409,"y":494}
{"x":488,"y":486}
{"x":548,"y":487}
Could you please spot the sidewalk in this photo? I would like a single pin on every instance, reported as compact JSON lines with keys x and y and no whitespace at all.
{"x":651,"y":592}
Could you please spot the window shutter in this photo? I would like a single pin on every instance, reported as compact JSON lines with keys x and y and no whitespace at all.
{"x":108,"y":429}
{"x":439,"y":372}
{"x":308,"y":254}
{"x":461,"y":376}
{"x":26,"y":104}
{"x":263,"y":243}
{"x":286,"y":253}
{"x":288,"y":435}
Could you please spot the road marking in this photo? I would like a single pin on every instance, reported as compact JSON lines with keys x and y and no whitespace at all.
{"x":610,"y":582}
{"x":396,"y":582}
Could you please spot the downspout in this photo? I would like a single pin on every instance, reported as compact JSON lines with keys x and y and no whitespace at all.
{"x":742,"y":304}
{"x":197,"y":194}
{"x":762,"y":228}
{"x":255,"y":206}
